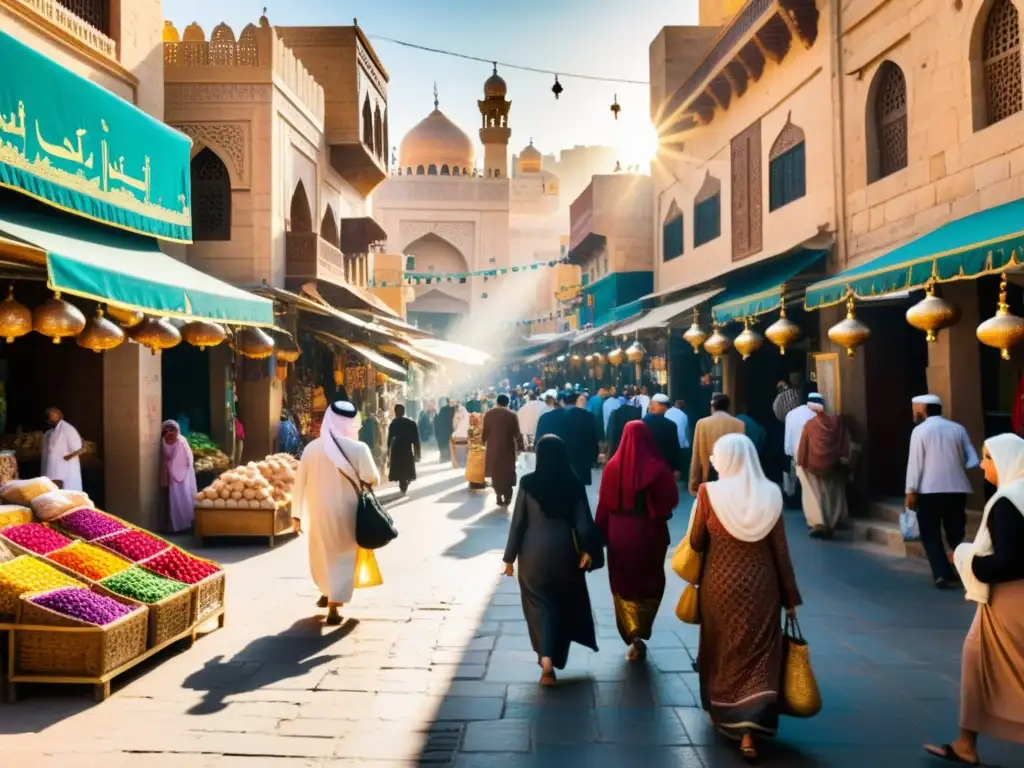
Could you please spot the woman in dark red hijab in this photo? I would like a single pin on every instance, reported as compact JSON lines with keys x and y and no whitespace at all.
{"x":637,"y":496}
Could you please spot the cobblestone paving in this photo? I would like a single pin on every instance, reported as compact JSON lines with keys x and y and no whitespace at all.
{"x":435,"y":668}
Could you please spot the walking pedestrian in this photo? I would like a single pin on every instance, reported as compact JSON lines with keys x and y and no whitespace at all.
{"x":937,"y":484}
{"x":443,"y":429}
{"x":611,"y":404}
{"x":501,"y":439}
{"x":677,"y":415}
{"x":403,"y":449}
{"x":664,"y":432}
{"x":795,"y":421}
{"x":747,"y":579}
{"x":991,"y":689}
{"x":324,"y":501}
{"x":617,"y":422}
{"x":581,"y":440}
{"x":706,"y":433}
{"x":425,"y":423}
{"x":460,"y":437}
{"x":821,"y":461}
{"x":638,"y":493}
{"x":555,"y":541}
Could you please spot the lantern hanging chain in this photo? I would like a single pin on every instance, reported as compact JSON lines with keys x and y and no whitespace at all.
{"x":506,"y":65}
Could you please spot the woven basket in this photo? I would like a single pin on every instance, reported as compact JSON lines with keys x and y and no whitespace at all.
{"x":93,"y":652}
{"x":208,"y":597}
{"x":9,"y":599}
{"x":12,"y":514}
{"x":5,"y":553}
{"x":55,"y":524}
{"x":168,"y":618}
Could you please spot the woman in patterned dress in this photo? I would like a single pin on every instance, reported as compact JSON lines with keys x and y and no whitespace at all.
{"x":748,"y":579}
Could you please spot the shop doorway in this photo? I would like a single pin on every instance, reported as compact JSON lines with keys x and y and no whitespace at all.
{"x":186,"y":387}
{"x":895,"y":370}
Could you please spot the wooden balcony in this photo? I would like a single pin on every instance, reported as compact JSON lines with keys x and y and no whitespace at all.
{"x":762,"y":31}
{"x":308,"y":257}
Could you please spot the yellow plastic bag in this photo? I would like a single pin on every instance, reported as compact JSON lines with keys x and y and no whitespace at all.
{"x":688,"y":607}
{"x":367,"y":570}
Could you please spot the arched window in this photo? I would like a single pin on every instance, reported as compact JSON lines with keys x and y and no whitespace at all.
{"x":890,"y":120}
{"x":378,"y":133}
{"x":672,"y":233}
{"x":707,"y":211}
{"x":455,"y":170}
{"x":787,"y":167}
{"x":329,"y":227}
{"x":300,"y":216}
{"x":367,"y":123}
{"x":432,"y":170}
{"x":445,"y":171}
{"x":419,"y":170}
{"x":94,"y":12}
{"x":211,"y":197}
{"x":408,"y":171}
{"x":1000,"y":55}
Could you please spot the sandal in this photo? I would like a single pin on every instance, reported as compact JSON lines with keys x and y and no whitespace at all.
{"x":946,"y":752}
{"x":748,"y":752}
{"x":548,"y":679}
{"x":322,"y":602}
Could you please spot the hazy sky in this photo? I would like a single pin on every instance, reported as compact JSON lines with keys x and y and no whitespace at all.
{"x":597,"y":37}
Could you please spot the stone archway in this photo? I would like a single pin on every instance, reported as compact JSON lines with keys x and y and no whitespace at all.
{"x":300,"y":214}
{"x":431,"y":254}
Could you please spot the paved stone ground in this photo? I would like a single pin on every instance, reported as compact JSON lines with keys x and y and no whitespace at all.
{"x":435,"y":668}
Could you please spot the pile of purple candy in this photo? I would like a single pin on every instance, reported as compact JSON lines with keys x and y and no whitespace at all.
{"x":84,"y":605}
{"x":89,"y":524}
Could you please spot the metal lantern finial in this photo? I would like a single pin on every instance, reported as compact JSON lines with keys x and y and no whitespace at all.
{"x":932,"y":314}
{"x":1005,"y":330}
{"x":557,"y":88}
{"x":851,"y":332}
{"x":615,"y":106}
{"x":695,"y":336}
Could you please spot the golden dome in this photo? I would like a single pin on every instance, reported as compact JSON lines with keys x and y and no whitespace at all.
{"x":436,"y":141}
{"x":529,"y":160}
{"x":170,"y":33}
{"x":495,"y":87}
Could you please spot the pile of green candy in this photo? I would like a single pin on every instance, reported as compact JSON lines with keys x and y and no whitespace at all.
{"x":139,"y":584}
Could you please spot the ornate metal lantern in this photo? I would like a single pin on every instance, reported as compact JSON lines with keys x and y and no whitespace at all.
{"x":783,"y":332}
{"x":203,"y":333}
{"x":126,"y":318}
{"x":254,"y":343}
{"x":851,"y":332}
{"x":15,"y":318}
{"x":100,"y":334}
{"x":616,"y":357}
{"x":598,"y":358}
{"x":1005,"y":330}
{"x":748,"y":341}
{"x":932,"y":313}
{"x":717,"y":343}
{"x":695,"y":336}
{"x":636,"y":353}
{"x":156,"y":334}
{"x":58,"y":319}
{"x":286,"y":350}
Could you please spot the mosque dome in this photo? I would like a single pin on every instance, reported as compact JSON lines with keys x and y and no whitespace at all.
{"x":437,"y":141}
{"x":495,"y":87}
{"x":529,"y":160}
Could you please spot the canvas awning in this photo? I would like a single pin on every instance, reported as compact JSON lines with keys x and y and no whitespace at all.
{"x":386,"y":366}
{"x":112,"y":266}
{"x":659,"y":317}
{"x":343,"y":294}
{"x":403,"y":350}
{"x":591,"y":333}
{"x":392,"y":322}
{"x":981,"y":243}
{"x":760,"y":288}
{"x":457,"y":353}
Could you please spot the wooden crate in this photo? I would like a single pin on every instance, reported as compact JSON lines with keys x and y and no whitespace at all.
{"x":168,"y":618}
{"x":211,"y":522}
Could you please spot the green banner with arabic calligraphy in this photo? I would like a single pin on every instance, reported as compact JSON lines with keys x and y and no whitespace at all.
{"x":75,"y":145}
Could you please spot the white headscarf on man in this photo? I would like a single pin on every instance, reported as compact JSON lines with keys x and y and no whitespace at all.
{"x":1007,"y":452}
{"x":746,"y":502}
{"x":339,"y":422}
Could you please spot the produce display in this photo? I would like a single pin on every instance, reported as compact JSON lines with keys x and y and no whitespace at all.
{"x":242,"y":487}
{"x":21,"y":492}
{"x":28,"y":446}
{"x":142,"y":585}
{"x":84,"y":605}
{"x":206,"y":454}
{"x":26,"y":574}
{"x":89,"y":561}
{"x":90,"y":524}
{"x":36,"y":537}
{"x":134,"y":545}
{"x":279,"y":469}
{"x":181,"y":566}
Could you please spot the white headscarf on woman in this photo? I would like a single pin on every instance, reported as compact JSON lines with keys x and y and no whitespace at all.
{"x":746,"y":502}
{"x":1007,"y":452}
{"x":339,"y":422}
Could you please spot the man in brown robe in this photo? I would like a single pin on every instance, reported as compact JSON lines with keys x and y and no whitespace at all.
{"x":501,"y":438}
{"x":705,"y":434}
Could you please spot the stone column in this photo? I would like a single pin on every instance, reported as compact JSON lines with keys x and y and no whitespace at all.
{"x":132,"y":414}
{"x":259,"y":405}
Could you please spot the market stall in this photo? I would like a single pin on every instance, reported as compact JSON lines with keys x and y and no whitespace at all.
{"x":86,"y":596}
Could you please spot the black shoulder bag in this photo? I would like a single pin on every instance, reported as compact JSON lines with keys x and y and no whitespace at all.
{"x":374,"y":526}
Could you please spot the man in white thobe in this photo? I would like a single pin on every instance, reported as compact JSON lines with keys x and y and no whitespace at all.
{"x":678,"y":416}
{"x":642,"y":401}
{"x":324,"y":504}
{"x":937,"y":484}
{"x":529,"y":416}
{"x":795,"y":421}
{"x":62,"y":445}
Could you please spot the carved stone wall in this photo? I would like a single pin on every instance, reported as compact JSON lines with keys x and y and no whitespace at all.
{"x":746,"y":193}
{"x":459,"y":233}
{"x":231,"y":141}
{"x":218,"y":92}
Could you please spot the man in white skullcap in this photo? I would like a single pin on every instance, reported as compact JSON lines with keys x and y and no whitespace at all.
{"x":665,"y":432}
{"x":937,"y":484}
{"x":324,"y":501}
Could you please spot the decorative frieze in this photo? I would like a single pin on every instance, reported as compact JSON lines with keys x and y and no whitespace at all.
{"x":230,"y":140}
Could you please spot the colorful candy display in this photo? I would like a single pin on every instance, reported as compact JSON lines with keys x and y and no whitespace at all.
{"x":90,"y":561}
{"x":36,"y":537}
{"x":135,"y":545}
{"x":181,"y":566}
{"x":139,"y":584}
{"x":26,"y":574}
{"x":90,"y":524}
{"x":84,"y":605}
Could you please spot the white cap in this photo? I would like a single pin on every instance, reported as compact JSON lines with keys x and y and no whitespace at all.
{"x":660,"y":398}
{"x":550,"y":393}
{"x":927,"y":400}
{"x":816,"y":396}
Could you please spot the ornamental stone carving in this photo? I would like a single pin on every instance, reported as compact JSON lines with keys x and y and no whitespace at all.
{"x":229,"y":140}
{"x":218,"y":92}
{"x":458,"y":233}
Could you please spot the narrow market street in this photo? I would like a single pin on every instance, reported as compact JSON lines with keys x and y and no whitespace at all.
{"x":435,"y":668}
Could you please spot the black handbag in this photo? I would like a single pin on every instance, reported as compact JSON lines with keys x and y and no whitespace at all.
{"x":374,"y":526}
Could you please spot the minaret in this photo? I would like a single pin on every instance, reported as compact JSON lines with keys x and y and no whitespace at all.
{"x":495,"y":132}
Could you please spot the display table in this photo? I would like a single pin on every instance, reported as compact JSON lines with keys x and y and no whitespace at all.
{"x":213,"y":522}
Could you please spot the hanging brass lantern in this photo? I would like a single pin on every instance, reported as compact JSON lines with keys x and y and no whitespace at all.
{"x":156,"y":334}
{"x":575,"y":359}
{"x":126,"y":318}
{"x":851,"y":332}
{"x":1005,"y":330}
{"x":15,"y":318}
{"x":748,"y":341}
{"x":783,"y":332}
{"x":717,"y":343}
{"x":932,"y":313}
{"x":203,"y":333}
{"x":58,"y":319}
{"x":695,"y":336}
{"x":100,"y":334}
{"x":635,"y":353}
{"x":616,"y":357}
{"x":253,"y":343}
{"x":598,"y":358}
{"x":286,"y":350}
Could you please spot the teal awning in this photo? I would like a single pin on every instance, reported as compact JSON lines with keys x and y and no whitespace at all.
{"x":758,"y":289}
{"x":75,"y":145}
{"x":126,"y":270}
{"x":982,"y":243}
